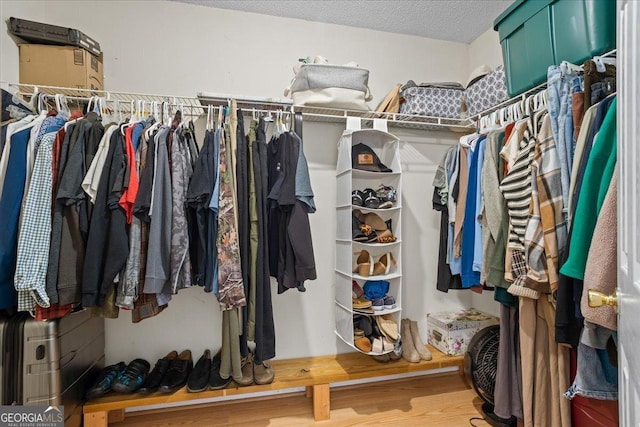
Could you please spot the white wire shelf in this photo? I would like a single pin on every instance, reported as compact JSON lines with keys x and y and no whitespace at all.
{"x":407,"y":121}
{"x":189,"y":106}
{"x":197,"y":105}
{"x":86,"y":94}
{"x":337,"y":115}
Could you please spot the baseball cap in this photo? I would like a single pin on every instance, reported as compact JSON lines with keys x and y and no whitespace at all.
{"x":364,"y":158}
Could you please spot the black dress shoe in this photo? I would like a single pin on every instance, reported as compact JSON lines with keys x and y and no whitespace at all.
{"x":216,"y":382}
{"x":199,"y":377}
{"x":178,"y":373}
{"x":105,"y":380}
{"x":154,"y":379}
{"x":132,"y":377}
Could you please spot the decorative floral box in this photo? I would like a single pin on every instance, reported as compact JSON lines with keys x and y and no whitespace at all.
{"x":450,"y":332}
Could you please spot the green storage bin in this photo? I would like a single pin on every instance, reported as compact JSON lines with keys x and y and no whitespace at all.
{"x":537,"y":33}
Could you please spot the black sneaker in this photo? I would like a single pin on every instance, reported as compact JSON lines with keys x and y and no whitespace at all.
{"x":199,"y":377}
{"x":154,"y":379}
{"x":178,"y":373}
{"x":132,"y":377}
{"x":105,"y":380}
{"x":216,"y":382}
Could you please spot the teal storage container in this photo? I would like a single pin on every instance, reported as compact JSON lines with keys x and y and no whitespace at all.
{"x":537,"y":33}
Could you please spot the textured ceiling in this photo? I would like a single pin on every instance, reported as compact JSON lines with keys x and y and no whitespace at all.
{"x":454,"y":20}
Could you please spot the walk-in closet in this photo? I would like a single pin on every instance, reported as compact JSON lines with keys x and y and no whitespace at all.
{"x":397,"y":213}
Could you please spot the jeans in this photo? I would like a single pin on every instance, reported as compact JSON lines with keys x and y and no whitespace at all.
{"x":554,"y":85}
{"x":598,"y":92}
{"x":592,"y":76}
{"x":561,"y":85}
{"x":557,"y":112}
{"x":596,"y":377}
{"x":574,"y":85}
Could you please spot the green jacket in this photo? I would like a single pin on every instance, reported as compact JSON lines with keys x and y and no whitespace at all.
{"x":597,"y":177}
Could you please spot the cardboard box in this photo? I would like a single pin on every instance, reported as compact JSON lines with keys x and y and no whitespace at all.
{"x":450,"y":332}
{"x":62,"y":66}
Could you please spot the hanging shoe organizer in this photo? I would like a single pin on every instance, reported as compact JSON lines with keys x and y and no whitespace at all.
{"x":367,"y":259}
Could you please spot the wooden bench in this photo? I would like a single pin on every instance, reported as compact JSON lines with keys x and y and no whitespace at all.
{"x":314,"y":373}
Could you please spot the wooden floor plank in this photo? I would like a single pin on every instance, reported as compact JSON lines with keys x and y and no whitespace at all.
{"x":434,"y":400}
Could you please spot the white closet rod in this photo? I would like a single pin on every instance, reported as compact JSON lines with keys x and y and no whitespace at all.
{"x":194,"y":106}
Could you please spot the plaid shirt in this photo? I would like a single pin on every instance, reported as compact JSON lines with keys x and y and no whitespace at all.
{"x":55,"y":311}
{"x":34,"y":235}
{"x":546,"y":235}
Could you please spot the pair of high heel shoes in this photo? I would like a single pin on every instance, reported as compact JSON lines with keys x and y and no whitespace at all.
{"x":366,"y":267}
{"x":370,"y":228}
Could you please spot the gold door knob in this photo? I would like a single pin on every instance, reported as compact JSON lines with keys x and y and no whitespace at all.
{"x":598,"y":299}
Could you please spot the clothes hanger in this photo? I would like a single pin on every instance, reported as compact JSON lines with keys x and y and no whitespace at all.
{"x":132,"y":117}
{"x":42,"y":103}
{"x":117,"y":110}
{"x":529,"y":106}
{"x":156,"y":120}
{"x":90,"y":103}
{"x":503,"y":116}
{"x":542,"y":100}
{"x":602,"y":61}
{"x":65,"y":107}
{"x":66,"y":125}
{"x":98,"y":107}
{"x":516,"y":112}
{"x":567,"y":67}
{"x":184,"y":124}
{"x":102,"y":109}
{"x":59,"y":106}
{"x":278,"y":122}
{"x":220,"y":116}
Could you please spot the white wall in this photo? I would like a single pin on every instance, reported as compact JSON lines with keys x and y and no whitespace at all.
{"x":180,"y":49}
{"x":485,"y":50}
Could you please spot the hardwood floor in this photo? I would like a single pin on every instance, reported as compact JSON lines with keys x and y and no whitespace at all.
{"x":434,"y":400}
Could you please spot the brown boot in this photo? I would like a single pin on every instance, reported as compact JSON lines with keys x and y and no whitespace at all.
{"x":247,"y":370}
{"x":425,"y":354}
{"x":263,"y":373}
{"x":409,"y":352}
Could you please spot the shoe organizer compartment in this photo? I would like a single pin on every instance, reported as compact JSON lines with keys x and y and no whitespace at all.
{"x":347,"y":257}
{"x":360,"y":180}
{"x":373,"y":183}
{"x":346,"y":227}
{"x":344,"y":294}
{"x":345,"y":328}
{"x":383,"y":144}
{"x":377,"y":263}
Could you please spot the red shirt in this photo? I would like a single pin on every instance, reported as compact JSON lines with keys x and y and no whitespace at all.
{"x":128,"y":197}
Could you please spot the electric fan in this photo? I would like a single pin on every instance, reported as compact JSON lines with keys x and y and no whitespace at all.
{"x":480,"y":367}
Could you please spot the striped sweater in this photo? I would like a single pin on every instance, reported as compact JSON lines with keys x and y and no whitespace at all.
{"x":516,"y":185}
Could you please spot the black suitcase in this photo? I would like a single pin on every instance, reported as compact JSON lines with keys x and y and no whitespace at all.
{"x":51,"y":363}
{"x":37,"y":32}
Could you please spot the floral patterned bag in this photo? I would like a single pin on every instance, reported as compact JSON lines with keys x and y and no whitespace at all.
{"x":486,"y":92}
{"x":435,"y":100}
